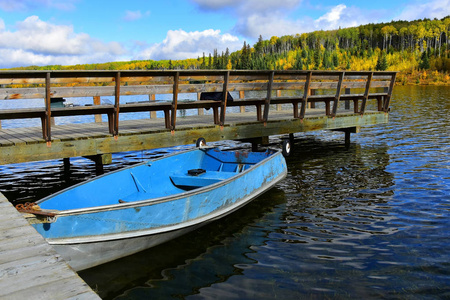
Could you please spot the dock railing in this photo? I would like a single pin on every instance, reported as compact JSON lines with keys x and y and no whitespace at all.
{"x":301,"y":89}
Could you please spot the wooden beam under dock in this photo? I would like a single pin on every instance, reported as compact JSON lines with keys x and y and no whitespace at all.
{"x":89,"y":139}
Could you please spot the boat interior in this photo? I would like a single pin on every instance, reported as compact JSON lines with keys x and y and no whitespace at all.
{"x":163,"y":177}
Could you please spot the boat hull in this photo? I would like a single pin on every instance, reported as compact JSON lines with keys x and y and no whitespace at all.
{"x":82,"y":256}
{"x":92,"y":236}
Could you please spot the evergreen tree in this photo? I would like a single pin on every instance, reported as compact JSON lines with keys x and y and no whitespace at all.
{"x":308,"y":61}
{"x":424,"y":62}
{"x":304,"y":53}
{"x":382,"y":64}
{"x":326,"y":62}
{"x":299,"y":63}
{"x":335,"y":60}
{"x":203,"y":65}
{"x":216,"y":62}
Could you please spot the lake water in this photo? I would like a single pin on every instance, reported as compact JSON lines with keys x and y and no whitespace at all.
{"x":371,"y":221}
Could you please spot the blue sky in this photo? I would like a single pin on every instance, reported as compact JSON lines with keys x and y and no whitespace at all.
{"x":67,"y":32}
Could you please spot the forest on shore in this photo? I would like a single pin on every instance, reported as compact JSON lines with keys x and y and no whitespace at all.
{"x":418,"y":50}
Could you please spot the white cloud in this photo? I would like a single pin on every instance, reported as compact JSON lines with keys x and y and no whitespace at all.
{"x":429,"y":9}
{"x":35,"y":42}
{"x":267,"y":26}
{"x":131,"y":16}
{"x":269,"y":17}
{"x":340,"y":16}
{"x":277,"y":23}
{"x":180,"y":44}
{"x":334,"y":15}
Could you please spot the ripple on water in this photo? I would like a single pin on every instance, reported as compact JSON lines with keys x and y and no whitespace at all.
{"x":367,"y":222}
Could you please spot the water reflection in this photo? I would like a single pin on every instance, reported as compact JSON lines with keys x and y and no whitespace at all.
{"x":319,"y":213}
{"x":189,"y":263}
{"x":369,"y":222}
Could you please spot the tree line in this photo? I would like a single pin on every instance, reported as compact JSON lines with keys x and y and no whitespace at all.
{"x":399,"y":45}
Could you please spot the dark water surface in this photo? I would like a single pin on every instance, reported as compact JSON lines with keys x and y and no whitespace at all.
{"x":371,"y":221}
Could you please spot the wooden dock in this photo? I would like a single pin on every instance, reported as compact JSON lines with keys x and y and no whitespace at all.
{"x":268,"y":103}
{"x":29,"y":267}
{"x":288,"y":102}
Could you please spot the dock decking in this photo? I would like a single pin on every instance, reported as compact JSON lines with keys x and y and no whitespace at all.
{"x":29,"y":267}
{"x":75,"y":140}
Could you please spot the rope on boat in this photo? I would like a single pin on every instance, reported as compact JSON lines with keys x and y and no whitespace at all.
{"x":33,"y":208}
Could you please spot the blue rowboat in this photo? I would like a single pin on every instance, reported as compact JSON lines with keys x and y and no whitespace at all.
{"x":147,"y":204}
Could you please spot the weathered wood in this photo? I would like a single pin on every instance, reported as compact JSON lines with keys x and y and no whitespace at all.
{"x":67,"y":92}
{"x":152,"y":98}
{"x":300,"y":84}
{"x":223,"y":105}
{"x":366,"y":93}
{"x":175,"y":91}
{"x":48,"y":113}
{"x":338,"y":94}
{"x":96,"y":100}
{"x":89,"y":91}
{"x":306,"y":92}
{"x":268,"y":97}
{"x":144,"y":134}
{"x":29,"y":267}
{"x":115,"y":119}
{"x":389,"y":94}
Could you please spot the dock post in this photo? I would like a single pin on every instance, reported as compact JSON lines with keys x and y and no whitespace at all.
{"x":201,"y":111}
{"x":98,"y":118}
{"x":66,"y":161}
{"x":242,"y":97}
{"x":152,"y":98}
{"x":312,"y":104}
{"x":291,"y":138}
{"x":279,"y":105}
{"x":100,"y":160}
{"x":263,"y":140}
{"x":347,"y":102}
{"x":347,"y":138}
{"x":347,"y":131}
{"x":254,"y":147}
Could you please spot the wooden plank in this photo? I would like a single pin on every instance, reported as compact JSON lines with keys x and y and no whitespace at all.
{"x":366,"y":93}
{"x":268,"y":97}
{"x":11,"y":137}
{"x":5,"y":139}
{"x":46,"y":130}
{"x":223,"y":104}
{"x":115,"y":118}
{"x":89,"y":91}
{"x":174,"y":100}
{"x":390,"y":90}
{"x":338,"y":94}
{"x":150,"y":134}
{"x":25,"y":135}
{"x":29,"y":267}
{"x":306,"y":92}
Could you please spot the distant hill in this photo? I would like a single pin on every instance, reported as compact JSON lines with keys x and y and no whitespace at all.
{"x":419,"y":50}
